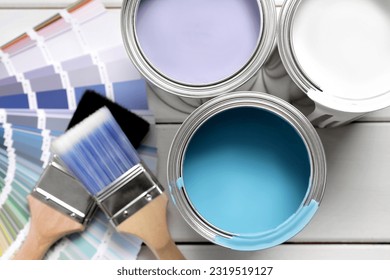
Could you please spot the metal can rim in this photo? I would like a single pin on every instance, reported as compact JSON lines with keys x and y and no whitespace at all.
{"x":302,"y":79}
{"x":263,"y":51}
{"x":233,"y":100}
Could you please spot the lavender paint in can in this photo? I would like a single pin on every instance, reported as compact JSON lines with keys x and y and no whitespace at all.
{"x":199,"y":48}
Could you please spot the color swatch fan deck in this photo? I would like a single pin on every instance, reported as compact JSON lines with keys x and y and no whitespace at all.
{"x":43,"y":75}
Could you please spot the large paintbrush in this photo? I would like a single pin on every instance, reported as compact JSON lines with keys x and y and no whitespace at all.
{"x":98,"y":153}
{"x":59,"y":204}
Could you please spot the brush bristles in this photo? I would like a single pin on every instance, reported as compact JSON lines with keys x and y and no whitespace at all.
{"x":96,"y":151}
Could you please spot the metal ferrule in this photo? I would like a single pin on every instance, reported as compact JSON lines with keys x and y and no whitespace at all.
{"x":128,"y":194}
{"x":57,"y":188}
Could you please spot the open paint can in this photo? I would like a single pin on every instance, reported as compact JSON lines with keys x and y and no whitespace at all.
{"x":247,"y":170}
{"x":199,"y":48}
{"x":337,"y":52}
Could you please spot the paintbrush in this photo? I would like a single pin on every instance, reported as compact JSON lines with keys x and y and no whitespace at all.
{"x":97,"y":152}
{"x":59,"y":204}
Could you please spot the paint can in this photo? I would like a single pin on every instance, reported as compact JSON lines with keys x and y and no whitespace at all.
{"x":247,"y":170}
{"x":337,"y":53}
{"x":199,"y":48}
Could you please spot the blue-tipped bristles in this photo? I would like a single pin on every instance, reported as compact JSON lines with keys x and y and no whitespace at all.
{"x":96,"y":151}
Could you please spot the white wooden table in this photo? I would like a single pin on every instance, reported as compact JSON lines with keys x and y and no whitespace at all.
{"x":353,"y":221}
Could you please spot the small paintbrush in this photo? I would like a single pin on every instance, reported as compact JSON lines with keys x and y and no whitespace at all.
{"x":97,"y":152}
{"x":59,"y":204}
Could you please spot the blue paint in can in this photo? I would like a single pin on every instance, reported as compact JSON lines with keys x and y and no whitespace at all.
{"x":246,"y":171}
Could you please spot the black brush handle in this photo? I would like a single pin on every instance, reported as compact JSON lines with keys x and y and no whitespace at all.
{"x":134,"y":127}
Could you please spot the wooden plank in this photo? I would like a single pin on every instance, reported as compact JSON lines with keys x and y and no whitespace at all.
{"x":356,"y":204}
{"x":282,"y":252}
{"x":168,"y":108}
{"x":377,"y":116}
